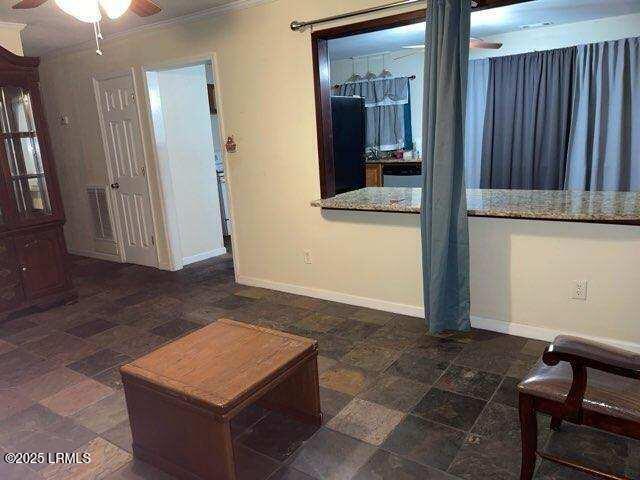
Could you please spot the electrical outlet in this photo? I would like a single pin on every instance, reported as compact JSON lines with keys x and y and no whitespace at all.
{"x":307,"y":257}
{"x":579,"y":290}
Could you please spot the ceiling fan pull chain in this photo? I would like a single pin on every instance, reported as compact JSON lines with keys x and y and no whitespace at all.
{"x":98,"y":34}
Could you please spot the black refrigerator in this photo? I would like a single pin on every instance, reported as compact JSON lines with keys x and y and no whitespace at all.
{"x":348,"y":117}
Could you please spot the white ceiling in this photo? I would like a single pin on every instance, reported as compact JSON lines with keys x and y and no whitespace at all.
{"x":48,"y":28}
{"x":487,"y":23}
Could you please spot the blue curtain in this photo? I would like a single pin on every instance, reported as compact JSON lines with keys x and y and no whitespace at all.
{"x":445,"y":229}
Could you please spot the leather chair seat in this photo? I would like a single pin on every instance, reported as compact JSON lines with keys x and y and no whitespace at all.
{"x":606,"y":394}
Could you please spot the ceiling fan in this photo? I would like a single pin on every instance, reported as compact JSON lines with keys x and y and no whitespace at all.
{"x":474,"y":43}
{"x":90,"y":11}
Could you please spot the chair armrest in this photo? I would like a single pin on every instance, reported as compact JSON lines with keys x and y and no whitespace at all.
{"x":585,"y":353}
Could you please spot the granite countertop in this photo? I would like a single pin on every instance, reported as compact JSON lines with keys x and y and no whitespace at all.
{"x":600,"y":207}
{"x":394,"y":160}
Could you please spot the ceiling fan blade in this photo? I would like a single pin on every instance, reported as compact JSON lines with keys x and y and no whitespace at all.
{"x":144,"y":8}
{"x":25,"y":4}
{"x":474,"y":43}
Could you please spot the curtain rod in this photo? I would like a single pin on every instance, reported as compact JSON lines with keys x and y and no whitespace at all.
{"x":298,"y":26}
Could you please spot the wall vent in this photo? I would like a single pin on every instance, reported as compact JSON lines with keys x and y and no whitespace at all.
{"x":99,"y":205}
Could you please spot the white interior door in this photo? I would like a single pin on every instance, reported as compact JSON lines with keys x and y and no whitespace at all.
{"x":125,"y":156}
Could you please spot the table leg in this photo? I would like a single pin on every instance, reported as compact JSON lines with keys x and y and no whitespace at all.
{"x":299,"y":394}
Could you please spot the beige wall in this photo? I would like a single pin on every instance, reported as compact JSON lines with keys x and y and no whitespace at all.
{"x":520,"y":270}
{"x":10,"y":37}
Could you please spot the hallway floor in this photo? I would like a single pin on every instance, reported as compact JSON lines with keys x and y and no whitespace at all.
{"x":398,"y":403}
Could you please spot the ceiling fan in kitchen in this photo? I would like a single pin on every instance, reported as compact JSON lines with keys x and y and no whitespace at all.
{"x":474,"y":43}
{"x":90,"y":11}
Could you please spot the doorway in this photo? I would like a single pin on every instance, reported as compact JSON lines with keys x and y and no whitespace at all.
{"x":186,"y":130}
{"x":129,"y":189}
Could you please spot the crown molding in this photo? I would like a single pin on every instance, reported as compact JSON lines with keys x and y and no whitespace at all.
{"x":13,"y":26}
{"x":212,"y":12}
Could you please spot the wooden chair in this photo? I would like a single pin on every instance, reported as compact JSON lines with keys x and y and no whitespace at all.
{"x":584,"y":383}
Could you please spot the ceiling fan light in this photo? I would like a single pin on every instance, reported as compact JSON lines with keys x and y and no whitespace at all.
{"x":115,"y":8}
{"x":84,"y":10}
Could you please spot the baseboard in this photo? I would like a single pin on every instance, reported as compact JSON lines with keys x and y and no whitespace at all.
{"x":500,"y":326}
{"x":543,"y":333}
{"x":333,"y":296}
{"x":204,"y":256}
{"x":98,"y":255}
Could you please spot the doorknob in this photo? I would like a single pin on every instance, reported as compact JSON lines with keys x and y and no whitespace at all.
{"x":115,"y":186}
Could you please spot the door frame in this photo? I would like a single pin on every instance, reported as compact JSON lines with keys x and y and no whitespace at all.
{"x":95,"y":80}
{"x":172,"y":233}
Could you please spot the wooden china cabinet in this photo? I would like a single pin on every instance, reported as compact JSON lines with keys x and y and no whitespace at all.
{"x":33,"y":254}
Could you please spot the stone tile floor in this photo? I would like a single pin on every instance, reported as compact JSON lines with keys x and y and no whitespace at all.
{"x":399,"y":403}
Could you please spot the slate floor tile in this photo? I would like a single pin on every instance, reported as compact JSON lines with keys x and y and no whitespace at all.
{"x":6,"y":347}
{"x":393,"y":338}
{"x":398,"y":393}
{"x":498,"y":362}
{"x":366,"y":421}
{"x":521,"y":365}
{"x":469,"y":382}
{"x":231,"y":302}
{"x":19,"y":366}
{"x":507,"y":393}
{"x":356,"y":331}
{"x":11,"y":327}
{"x":120,"y":435}
{"x":425,"y":442}
{"x":335,"y":347}
{"x":50,"y":383}
{"x":12,"y":402}
{"x":106,"y":458}
{"x":369,"y":357}
{"x":418,"y":368}
{"x":175,"y":329}
{"x":138,"y":470}
{"x":60,"y":348}
{"x":277,"y":436}
{"x":385,"y":465}
{"x":99,"y":362}
{"x":17,"y":428}
{"x":435,"y":348}
{"x":103,"y":414}
{"x":346,"y":379}
{"x":90,"y":328}
{"x":376,"y":317}
{"x":332,"y":402}
{"x":63,"y":436}
{"x":449,"y":408}
{"x":320,"y":322}
{"x":286,"y":473}
{"x":330,"y":455}
{"x":591,"y":447}
{"x":72,"y":399}
{"x":337,"y":309}
{"x":111,"y":378}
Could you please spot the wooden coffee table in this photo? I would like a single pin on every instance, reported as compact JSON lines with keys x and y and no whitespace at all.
{"x":182,"y":397}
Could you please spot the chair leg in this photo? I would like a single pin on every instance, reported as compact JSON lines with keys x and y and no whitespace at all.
{"x":529,"y":432}
{"x":556,"y":424}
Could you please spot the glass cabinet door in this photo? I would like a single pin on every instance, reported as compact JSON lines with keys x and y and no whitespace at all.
{"x":27,"y":179}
